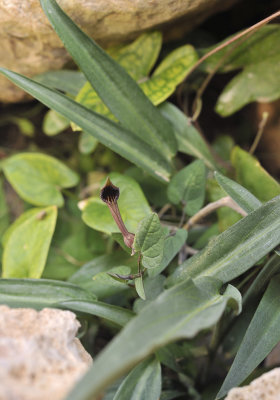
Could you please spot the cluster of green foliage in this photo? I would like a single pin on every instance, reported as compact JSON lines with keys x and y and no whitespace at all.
{"x":66,"y":251}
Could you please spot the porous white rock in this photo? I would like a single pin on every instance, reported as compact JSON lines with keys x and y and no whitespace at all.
{"x":40,"y":357}
{"x":266,"y":387}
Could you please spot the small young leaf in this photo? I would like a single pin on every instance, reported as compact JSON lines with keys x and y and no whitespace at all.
{"x":261,"y":336}
{"x":251,"y":175}
{"x":172,"y":245}
{"x":132,"y":204}
{"x":139,"y":287}
{"x":238,"y":193}
{"x":149,"y":240}
{"x":188,"y":138}
{"x":188,"y":187}
{"x":83,"y":276}
{"x":142,"y":383}
{"x":54,"y":123}
{"x":87,"y":143}
{"x":27,"y":242}
{"x":37,"y":178}
{"x":104,"y":285}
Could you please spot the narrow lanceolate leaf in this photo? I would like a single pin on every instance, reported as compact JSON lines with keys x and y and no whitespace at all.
{"x":117,"y":138}
{"x":27,"y":242}
{"x":149,"y":240}
{"x":251,"y":175}
{"x":38,"y":178}
{"x":180,"y":312}
{"x":238,"y":248}
{"x":40,"y":293}
{"x":238,"y":193}
{"x":188,"y":187}
{"x":143,"y":382}
{"x":139,"y":287}
{"x":67,"y":81}
{"x":261,"y":336}
{"x":188,"y":138}
{"x":115,"y":87}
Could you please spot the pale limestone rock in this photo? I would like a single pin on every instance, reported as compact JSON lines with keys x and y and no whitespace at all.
{"x":40,"y":358}
{"x":266,"y":387}
{"x":30,"y":46}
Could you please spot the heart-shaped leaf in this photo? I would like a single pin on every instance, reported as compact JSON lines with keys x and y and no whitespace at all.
{"x":149,"y":240}
{"x":38,"y":178}
{"x":27,"y":242}
{"x":188,"y":187}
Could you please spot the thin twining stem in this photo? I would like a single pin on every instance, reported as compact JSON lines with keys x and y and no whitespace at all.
{"x":233,"y":39}
{"x":223,"y":202}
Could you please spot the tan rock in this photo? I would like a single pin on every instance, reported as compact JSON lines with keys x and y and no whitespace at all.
{"x":266,"y":387}
{"x":40,"y":358}
{"x":30,"y":46}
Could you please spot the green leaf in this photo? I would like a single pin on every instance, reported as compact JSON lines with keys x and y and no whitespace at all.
{"x":238,"y":193}
{"x":67,"y":81}
{"x":258,"y":57}
{"x":132,"y":204}
{"x":54,"y":123}
{"x":40,"y":293}
{"x":83,"y":277}
{"x":25,"y":126}
{"x":104,"y":285}
{"x":251,"y":300}
{"x":226,"y":216}
{"x":118,"y":315}
{"x":180,"y":312}
{"x":172,"y":245}
{"x":261,"y":336}
{"x":27,"y":243}
{"x":87,"y":143}
{"x":4,"y":211}
{"x":115,"y":87}
{"x":234,"y":251}
{"x":142,"y":383}
{"x":172,"y":71}
{"x":115,"y":137}
{"x":138,"y":57}
{"x":139,"y":287}
{"x":38,"y":178}
{"x":149,"y":240}
{"x":188,"y":138}
{"x":251,"y":175}
{"x":188,"y":187}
